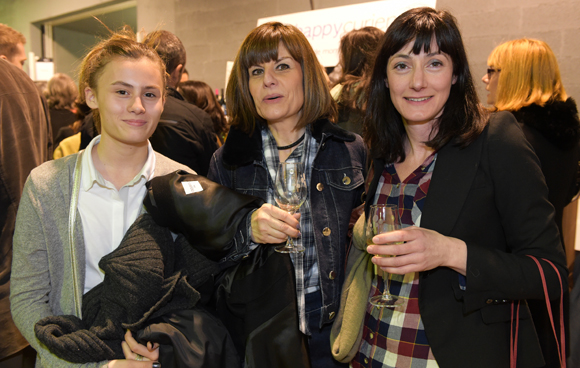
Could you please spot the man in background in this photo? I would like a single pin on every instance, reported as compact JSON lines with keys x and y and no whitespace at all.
{"x":185,"y":132}
{"x":12,"y":46}
{"x":24,"y":144}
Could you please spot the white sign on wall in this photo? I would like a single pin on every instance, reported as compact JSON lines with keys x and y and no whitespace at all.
{"x":324,"y":28}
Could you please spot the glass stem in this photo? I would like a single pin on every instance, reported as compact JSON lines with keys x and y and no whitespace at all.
{"x":386,"y":292}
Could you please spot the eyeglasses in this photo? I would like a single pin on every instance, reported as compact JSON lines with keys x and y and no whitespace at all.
{"x":490,"y":71}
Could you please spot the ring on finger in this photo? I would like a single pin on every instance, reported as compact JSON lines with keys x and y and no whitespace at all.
{"x":138,"y":357}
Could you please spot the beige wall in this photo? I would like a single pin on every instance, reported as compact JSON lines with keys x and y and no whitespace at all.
{"x":212,"y":30}
{"x":486,"y":24}
{"x":69,"y":49}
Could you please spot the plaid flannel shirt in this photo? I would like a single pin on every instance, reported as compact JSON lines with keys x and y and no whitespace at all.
{"x":306,"y":265}
{"x":396,"y":337}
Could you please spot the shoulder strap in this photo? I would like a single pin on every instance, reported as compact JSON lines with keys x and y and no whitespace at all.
{"x":560,"y":343}
{"x":77,"y":294}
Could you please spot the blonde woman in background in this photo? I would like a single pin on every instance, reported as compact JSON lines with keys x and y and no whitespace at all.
{"x":523,"y":77}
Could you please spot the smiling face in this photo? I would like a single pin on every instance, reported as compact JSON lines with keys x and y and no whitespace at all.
{"x":419,"y":85}
{"x":277,"y":88}
{"x":490,"y":81}
{"x":129,"y":97}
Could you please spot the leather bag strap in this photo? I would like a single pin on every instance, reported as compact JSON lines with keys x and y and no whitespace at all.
{"x":560,"y":343}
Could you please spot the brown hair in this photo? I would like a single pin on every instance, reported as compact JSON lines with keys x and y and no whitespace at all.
{"x":9,"y":38}
{"x":61,"y":92}
{"x":168,"y":46}
{"x":261,"y":46}
{"x":200,"y":94}
{"x":357,"y":51}
{"x":122,"y":44}
{"x":529,"y":74}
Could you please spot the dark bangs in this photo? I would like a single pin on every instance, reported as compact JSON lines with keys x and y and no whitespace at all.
{"x":422,"y":28}
{"x":259,"y":50}
{"x":262,"y":46}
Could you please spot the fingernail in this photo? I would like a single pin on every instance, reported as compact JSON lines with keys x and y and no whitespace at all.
{"x":156,"y":365}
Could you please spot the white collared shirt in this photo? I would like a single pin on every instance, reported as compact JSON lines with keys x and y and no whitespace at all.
{"x":107,"y":213}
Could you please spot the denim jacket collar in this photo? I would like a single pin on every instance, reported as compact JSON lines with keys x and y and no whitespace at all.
{"x":241,"y":148}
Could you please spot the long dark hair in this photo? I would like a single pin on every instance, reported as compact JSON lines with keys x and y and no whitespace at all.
{"x":463,"y":117}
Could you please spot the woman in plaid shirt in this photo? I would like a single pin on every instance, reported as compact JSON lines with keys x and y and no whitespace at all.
{"x":473,"y":203}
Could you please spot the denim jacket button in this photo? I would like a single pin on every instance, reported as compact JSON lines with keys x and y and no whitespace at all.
{"x":346,"y":180}
{"x":320,"y":187}
{"x":331,"y":315}
{"x":332,"y":275}
{"x":326,"y":231}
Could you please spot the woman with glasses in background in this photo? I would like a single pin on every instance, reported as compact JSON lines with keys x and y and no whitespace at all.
{"x":523,"y":77}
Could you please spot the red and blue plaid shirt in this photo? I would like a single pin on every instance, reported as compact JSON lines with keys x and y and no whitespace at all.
{"x":396,"y":337}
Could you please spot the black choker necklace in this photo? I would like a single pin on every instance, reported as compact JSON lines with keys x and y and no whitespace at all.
{"x":292,"y":144}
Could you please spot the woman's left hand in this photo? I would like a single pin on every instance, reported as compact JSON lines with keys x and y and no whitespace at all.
{"x":422,"y":250}
{"x":133,"y":350}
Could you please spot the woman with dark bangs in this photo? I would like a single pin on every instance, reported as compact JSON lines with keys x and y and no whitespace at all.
{"x":473,"y":204}
{"x":282,"y":111}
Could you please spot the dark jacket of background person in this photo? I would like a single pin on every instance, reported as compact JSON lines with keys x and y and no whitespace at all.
{"x":60,"y":118}
{"x":554,"y":132}
{"x":25,"y":142}
{"x":475,"y":195}
{"x":185,"y":134}
{"x":200,"y":94}
{"x":335,"y":189}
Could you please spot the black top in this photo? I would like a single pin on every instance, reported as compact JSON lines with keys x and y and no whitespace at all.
{"x":185,"y":134}
{"x":554,"y":132}
{"x":60,"y":118}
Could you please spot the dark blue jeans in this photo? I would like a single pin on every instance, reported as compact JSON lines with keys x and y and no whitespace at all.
{"x":319,"y":340}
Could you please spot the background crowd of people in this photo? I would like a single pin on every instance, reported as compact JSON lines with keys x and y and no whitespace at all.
{"x":480,"y":193}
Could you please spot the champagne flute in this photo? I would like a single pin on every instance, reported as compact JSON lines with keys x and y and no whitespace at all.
{"x":382,"y":218}
{"x":290,"y":193}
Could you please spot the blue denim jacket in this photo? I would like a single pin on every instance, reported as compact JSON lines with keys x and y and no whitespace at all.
{"x":336,"y":188}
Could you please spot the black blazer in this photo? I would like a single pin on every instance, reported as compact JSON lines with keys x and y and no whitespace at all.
{"x":493,"y":196}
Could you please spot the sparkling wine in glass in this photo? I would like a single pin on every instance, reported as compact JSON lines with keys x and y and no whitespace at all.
{"x":382,"y":218}
{"x":290,"y":193}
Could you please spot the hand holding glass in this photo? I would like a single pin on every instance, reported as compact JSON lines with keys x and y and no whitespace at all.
{"x":290,"y":193}
{"x":382,"y":218}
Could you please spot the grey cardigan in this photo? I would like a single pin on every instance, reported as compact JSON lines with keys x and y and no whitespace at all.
{"x":43,"y":282}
